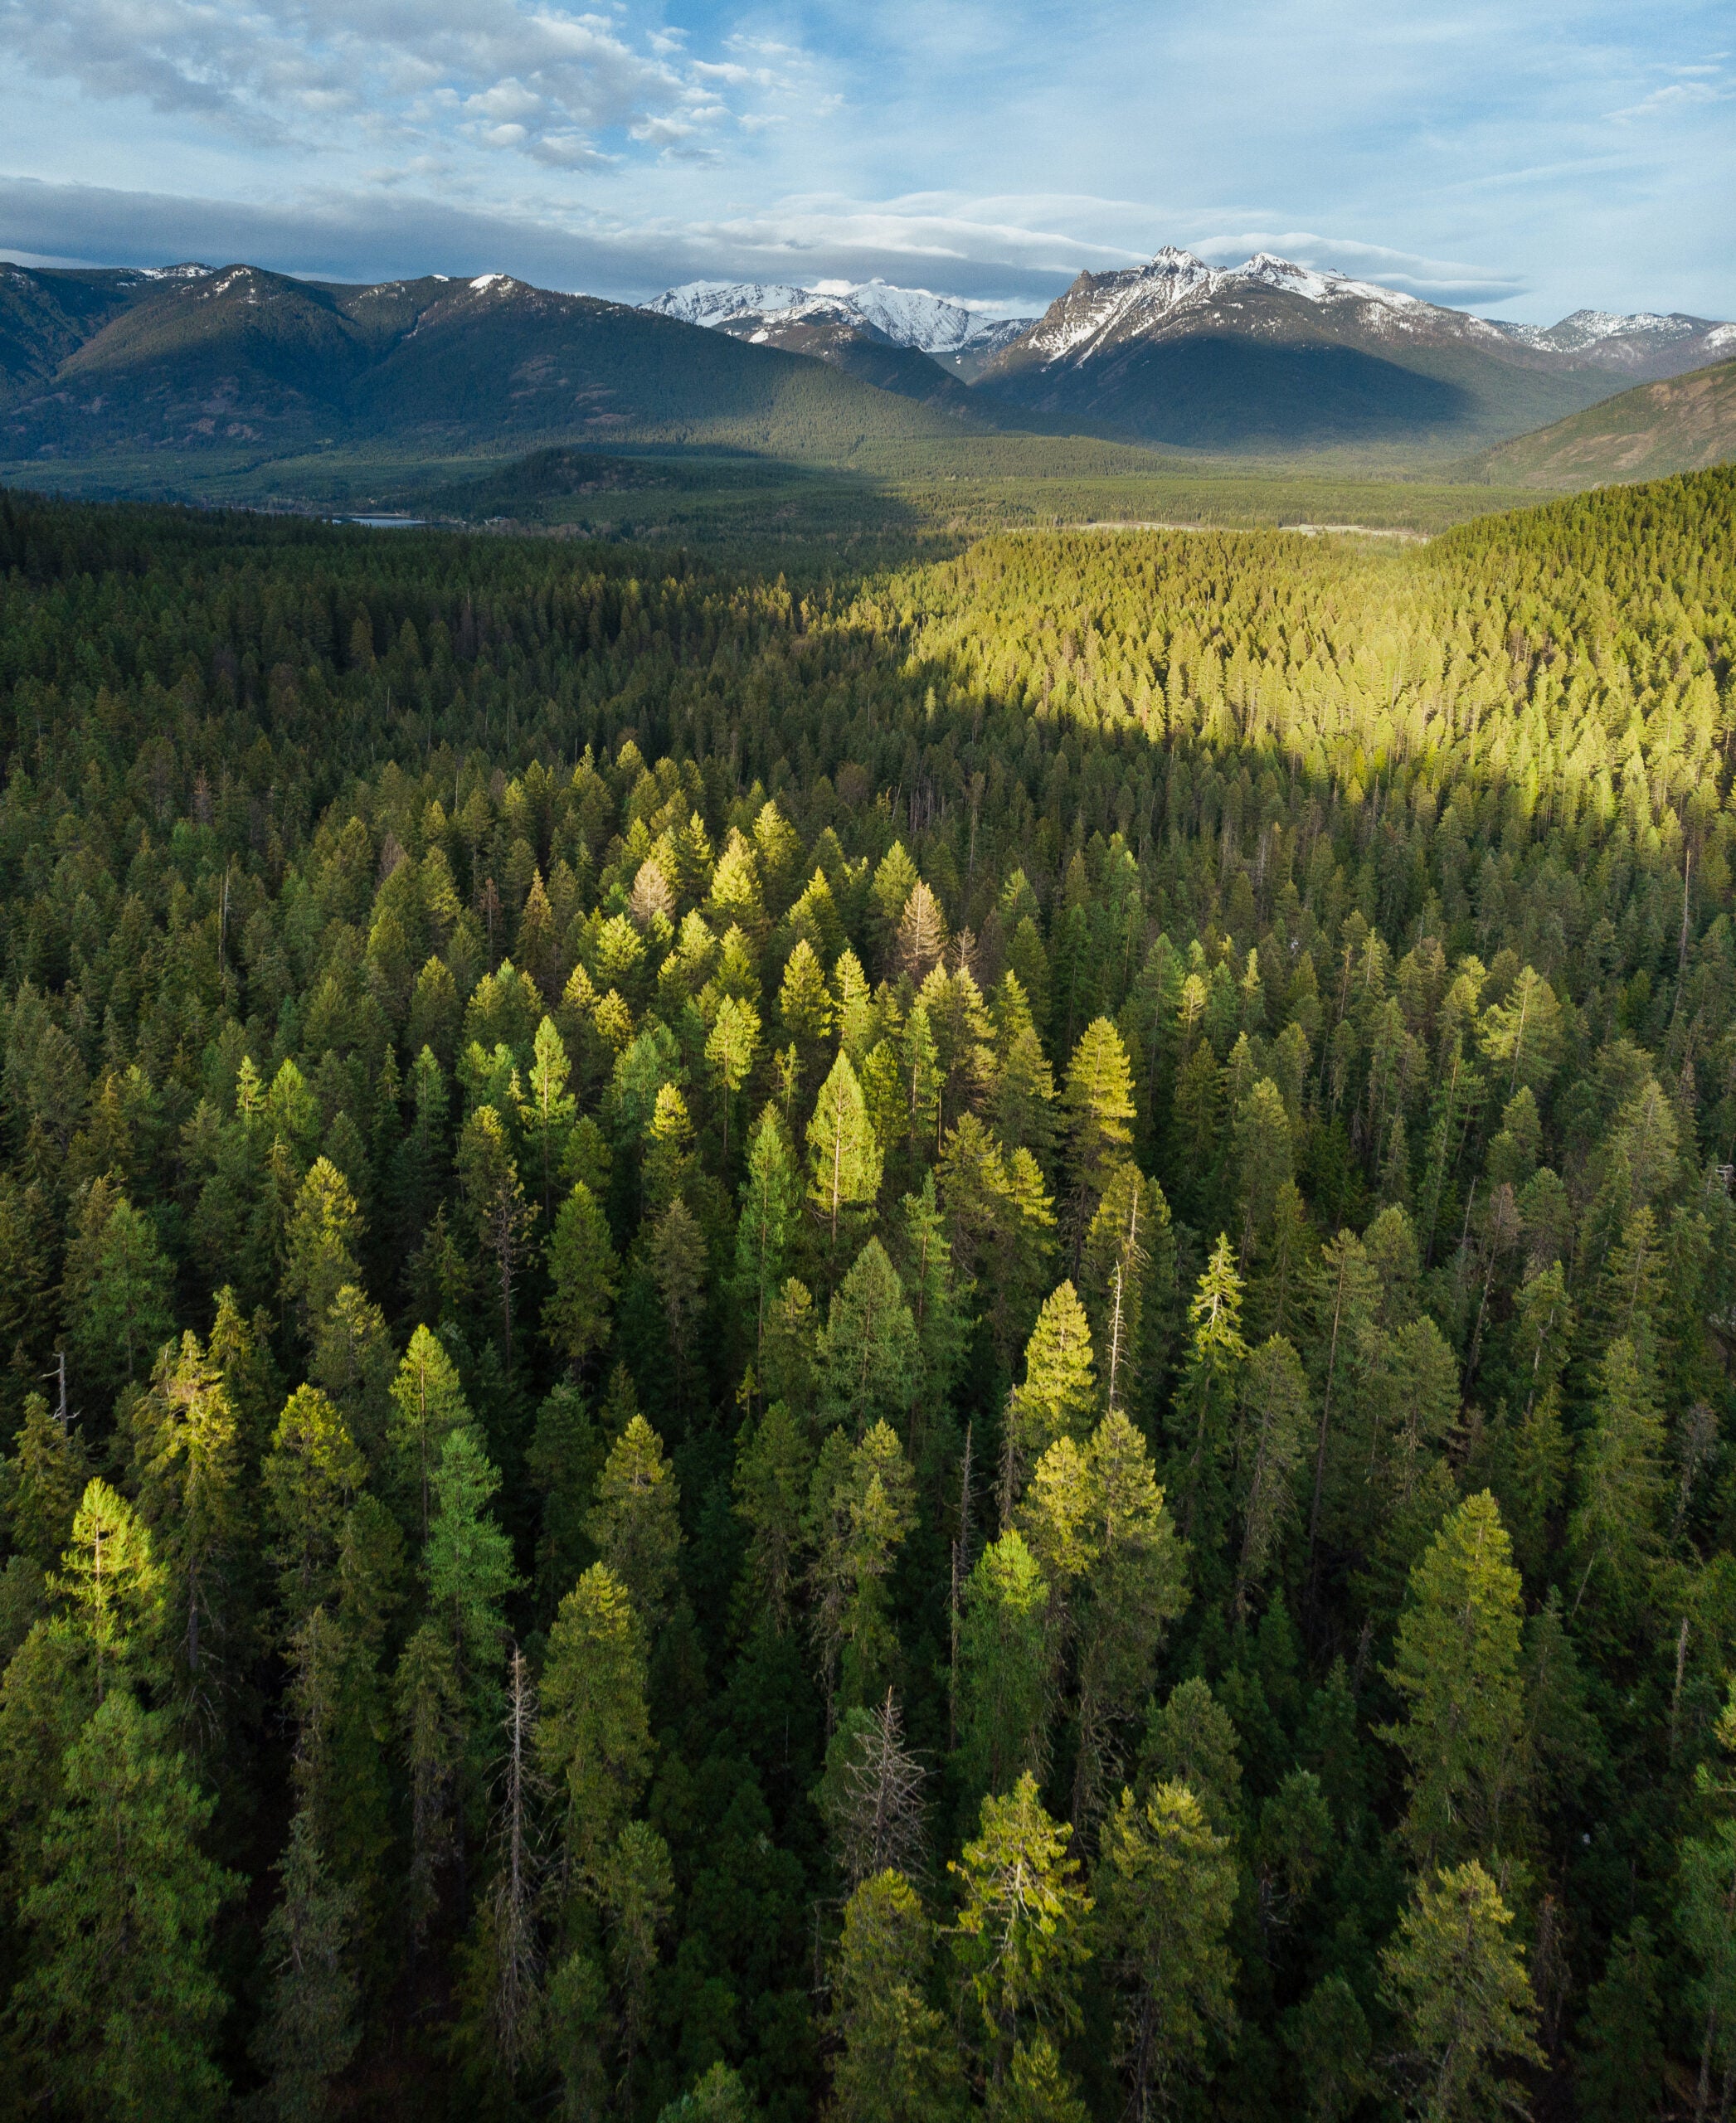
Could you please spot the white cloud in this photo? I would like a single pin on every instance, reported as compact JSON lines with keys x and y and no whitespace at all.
{"x":1672,"y":98}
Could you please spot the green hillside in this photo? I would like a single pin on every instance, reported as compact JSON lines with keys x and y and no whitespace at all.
{"x":1684,"y":425}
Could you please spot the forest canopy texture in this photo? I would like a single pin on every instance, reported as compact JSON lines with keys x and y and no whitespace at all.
{"x":960,"y":1342}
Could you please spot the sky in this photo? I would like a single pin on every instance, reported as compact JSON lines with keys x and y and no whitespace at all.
{"x":1525,"y":158}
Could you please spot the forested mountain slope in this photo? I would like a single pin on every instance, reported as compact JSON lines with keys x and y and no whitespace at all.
{"x":197,"y":360}
{"x":958,"y":1345}
{"x":1684,"y":425}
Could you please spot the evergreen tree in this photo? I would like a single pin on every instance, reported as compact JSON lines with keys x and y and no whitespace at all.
{"x":774,"y":1467}
{"x":428,"y":1405}
{"x":1134,"y":1586}
{"x":1058,"y":1394}
{"x":1208,"y":1391}
{"x":895,"y":2060}
{"x":1458,"y":1983}
{"x":1022,"y":1932}
{"x":867,"y":1355}
{"x":117,"y":1290}
{"x":311,"y":1473}
{"x":113,"y":1586}
{"x":1166,"y":1888}
{"x":117,"y":2009}
{"x":353,"y":1361}
{"x":844,"y":1154}
{"x":468,"y":1564}
{"x":635,"y":1524}
{"x":1613,"y":1532}
{"x":1096,"y":1114}
{"x":771,"y":1201}
{"x":584,"y":1280}
{"x":729,"y":1048}
{"x":1456,"y":1665}
{"x":860,"y":1508}
{"x":593,"y":1737}
{"x":546,"y":1111}
{"x":1619,"y":2074}
{"x":502,"y":1218}
{"x":325,"y":1230}
{"x":1271,"y":1446}
{"x":1003,"y":1668}
{"x":188,"y":1479}
{"x":44,"y":1480}
{"x":309,"y":2032}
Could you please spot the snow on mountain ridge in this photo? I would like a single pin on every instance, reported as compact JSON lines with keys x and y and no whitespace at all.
{"x":907,"y":316}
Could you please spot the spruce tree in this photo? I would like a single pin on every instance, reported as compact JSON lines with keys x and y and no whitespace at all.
{"x":1202,"y":1418}
{"x":1023,"y":1929}
{"x":1619,"y":2067}
{"x":1271,"y":1444}
{"x":729,"y":1048}
{"x":325,"y":1228}
{"x":765,"y":1227}
{"x":1097,"y":1114}
{"x":312,"y":1471}
{"x":774,"y":1466}
{"x":188,"y":1477}
{"x":867,"y":1355}
{"x":1003,"y":1681}
{"x":546,"y":1111}
{"x":309,"y":2031}
{"x":1058,"y":1396}
{"x":1613,"y":1532}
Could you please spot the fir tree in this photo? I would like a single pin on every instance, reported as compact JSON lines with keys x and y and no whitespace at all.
{"x":584,"y":1280}
{"x":1058,"y":1393}
{"x":428,"y":1405}
{"x":1003,"y":1707}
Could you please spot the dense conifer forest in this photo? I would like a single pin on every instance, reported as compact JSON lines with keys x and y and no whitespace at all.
{"x":953,"y":1342}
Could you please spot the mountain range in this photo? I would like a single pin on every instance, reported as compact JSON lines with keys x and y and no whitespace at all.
{"x":1275,"y":354}
{"x":842,"y":323}
{"x":193,"y":358}
{"x":1268,"y":357}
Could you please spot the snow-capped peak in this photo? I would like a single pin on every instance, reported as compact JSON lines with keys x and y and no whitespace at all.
{"x":909,"y":317}
{"x":714,"y":302}
{"x":1314,"y":286}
